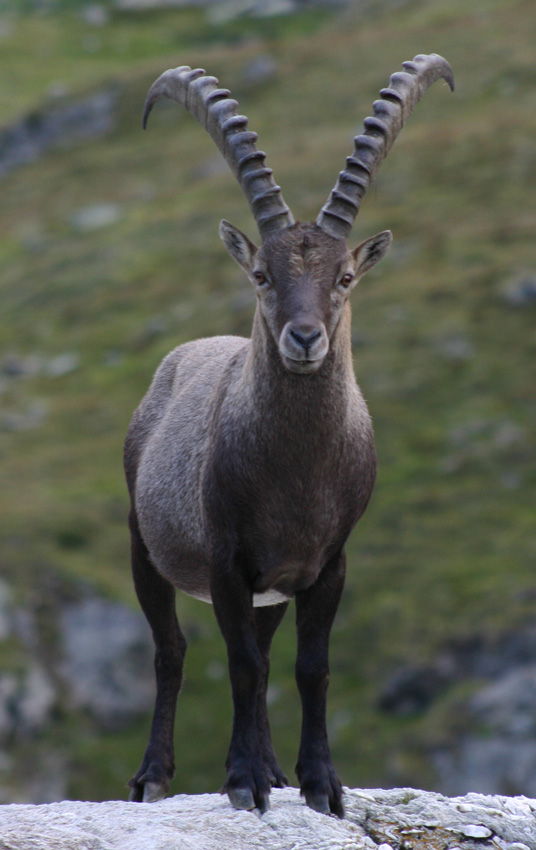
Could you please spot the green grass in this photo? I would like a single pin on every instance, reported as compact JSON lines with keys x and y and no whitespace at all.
{"x":447,"y":545}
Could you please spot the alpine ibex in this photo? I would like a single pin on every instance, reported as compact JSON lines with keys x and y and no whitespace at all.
{"x":249,"y":461}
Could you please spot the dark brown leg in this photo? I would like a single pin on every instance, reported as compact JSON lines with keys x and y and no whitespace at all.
{"x":315,"y":611}
{"x":249,"y":779}
{"x":157,"y":599}
{"x":267,"y":620}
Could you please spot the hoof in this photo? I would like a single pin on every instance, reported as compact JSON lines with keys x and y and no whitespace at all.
{"x":241,"y":798}
{"x":323,"y":804}
{"x":148,"y":792}
{"x":153,"y":792}
{"x":321,"y":787}
{"x":263,"y":804}
{"x":318,"y":802}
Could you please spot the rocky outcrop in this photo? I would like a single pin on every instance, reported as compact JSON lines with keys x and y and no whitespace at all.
{"x":57,"y":125}
{"x":498,"y":746}
{"x":491,"y":745}
{"x":65,"y":652}
{"x":107,"y":660}
{"x":401,"y":819}
{"x":101,"y":662}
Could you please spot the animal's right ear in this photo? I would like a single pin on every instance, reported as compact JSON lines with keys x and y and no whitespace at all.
{"x":241,"y":249}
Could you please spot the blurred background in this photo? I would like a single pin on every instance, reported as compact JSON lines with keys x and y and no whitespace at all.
{"x":110,"y":257}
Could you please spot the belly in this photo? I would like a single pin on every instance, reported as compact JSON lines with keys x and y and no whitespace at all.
{"x":188,"y":571}
{"x":260,"y":600}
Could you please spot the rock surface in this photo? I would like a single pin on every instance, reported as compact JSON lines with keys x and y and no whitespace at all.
{"x":400,"y":819}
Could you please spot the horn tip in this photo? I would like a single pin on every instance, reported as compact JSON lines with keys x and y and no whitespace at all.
{"x":146,"y":112}
{"x":448,"y":73}
{"x":163,"y":87}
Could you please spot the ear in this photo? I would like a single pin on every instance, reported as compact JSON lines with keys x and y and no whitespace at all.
{"x":371,"y":251}
{"x":241,"y":249}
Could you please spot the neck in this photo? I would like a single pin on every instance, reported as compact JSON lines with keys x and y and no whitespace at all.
{"x":271,"y":382}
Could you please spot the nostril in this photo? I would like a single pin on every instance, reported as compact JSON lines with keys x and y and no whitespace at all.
{"x":305,"y":340}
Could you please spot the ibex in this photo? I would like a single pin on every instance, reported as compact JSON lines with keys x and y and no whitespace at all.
{"x":249,"y":461}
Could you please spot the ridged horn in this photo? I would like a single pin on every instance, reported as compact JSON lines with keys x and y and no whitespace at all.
{"x":217,"y":112}
{"x":405,"y":90}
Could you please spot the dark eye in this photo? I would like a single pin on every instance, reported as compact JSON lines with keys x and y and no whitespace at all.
{"x":260,"y":278}
{"x":346,"y":280}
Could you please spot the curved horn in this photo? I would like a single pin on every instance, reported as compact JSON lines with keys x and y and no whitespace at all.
{"x":405,"y":90}
{"x":217,"y":112}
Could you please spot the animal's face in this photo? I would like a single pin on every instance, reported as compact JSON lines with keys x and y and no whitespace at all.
{"x":303,"y":277}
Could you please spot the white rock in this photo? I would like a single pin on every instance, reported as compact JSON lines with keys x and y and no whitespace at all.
{"x":476,"y":830}
{"x":203,"y":822}
{"x":207,"y":822}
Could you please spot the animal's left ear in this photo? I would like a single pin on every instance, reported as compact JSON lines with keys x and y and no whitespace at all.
{"x":371,"y":251}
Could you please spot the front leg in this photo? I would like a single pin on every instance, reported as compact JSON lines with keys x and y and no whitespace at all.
{"x":249,"y":779}
{"x":267,"y":620}
{"x":315,"y":611}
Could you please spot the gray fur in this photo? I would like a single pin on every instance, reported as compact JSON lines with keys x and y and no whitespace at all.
{"x":314,"y":429}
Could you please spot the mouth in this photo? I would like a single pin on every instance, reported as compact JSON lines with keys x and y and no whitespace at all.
{"x":301,"y":367}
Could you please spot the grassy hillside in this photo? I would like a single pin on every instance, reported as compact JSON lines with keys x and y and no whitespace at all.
{"x":444,"y":352}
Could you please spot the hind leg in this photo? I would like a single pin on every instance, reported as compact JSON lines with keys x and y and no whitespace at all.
{"x":157,"y":599}
{"x":267,"y":619}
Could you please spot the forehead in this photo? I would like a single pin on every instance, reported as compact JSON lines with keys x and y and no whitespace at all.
{"x":302,"y":249}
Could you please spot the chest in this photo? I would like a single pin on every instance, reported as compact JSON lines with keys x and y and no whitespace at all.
{"x":297,"y":488}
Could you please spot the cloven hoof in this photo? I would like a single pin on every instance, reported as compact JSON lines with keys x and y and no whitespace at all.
{"x":321,"y":803}
{"x":150,"y":792}
{"x":242,"y":798}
